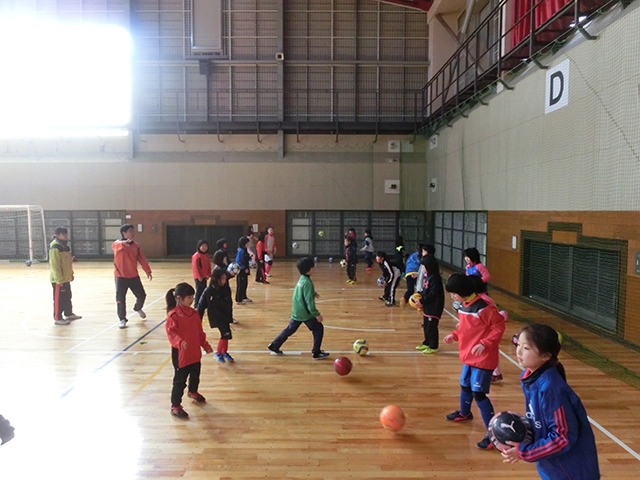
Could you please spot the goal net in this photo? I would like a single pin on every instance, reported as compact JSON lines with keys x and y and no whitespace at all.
{"x":22,"y":233}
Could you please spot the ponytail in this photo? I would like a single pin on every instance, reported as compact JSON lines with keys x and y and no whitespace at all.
{"x":170,"y":297}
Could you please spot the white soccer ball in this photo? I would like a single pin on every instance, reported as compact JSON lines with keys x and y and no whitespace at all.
{"x":343,"y":263}
{"x":295,"y":245}
{"x":233,"y":269}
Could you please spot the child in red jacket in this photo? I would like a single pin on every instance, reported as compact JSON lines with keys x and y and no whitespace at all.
{"x":185,"y":334}
{"x":478,"y":334}
{"x":201,"y":268}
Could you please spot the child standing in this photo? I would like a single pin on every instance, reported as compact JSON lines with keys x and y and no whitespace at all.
{"x":216,"y":299}
{"x":201,"y":268}
{"x":221,"y":256}
{"x":563,"y":444}
{"x":411,"y":274}
{"x":303,"y":310}
{"x":391,"y":275}
{"x":260,"y":271}
{"x":368,"y":249}
{"x":432,"y":304}
{"x":351,"y":258}
{"x":242,"y":279}
{"x":61,"y":276}
{"x":270,"y":247}
{"x":479,"y":331}
{"x":185,"y":334}
{"x":474,"y":267}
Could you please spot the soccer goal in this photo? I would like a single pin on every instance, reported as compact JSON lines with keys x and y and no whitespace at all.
{"x":22,"y":233}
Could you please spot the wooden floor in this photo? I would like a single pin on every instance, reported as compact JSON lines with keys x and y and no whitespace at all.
{"x":90,"y":401}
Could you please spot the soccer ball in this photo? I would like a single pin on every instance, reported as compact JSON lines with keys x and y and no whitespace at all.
{"x":315,"y":259}
{"x":509,"y":427}
{"x":381,"y":282}
{"x":413,"y":299}
{"x":343,"y":263}
{"x":360,"y":346}
{"x":28,"y":263}
{"x":295,"y":245}
{"x":233,"y":269}
{"x":330,"y":260}
{"x":321,"y":233}
{"x":392,"y":418}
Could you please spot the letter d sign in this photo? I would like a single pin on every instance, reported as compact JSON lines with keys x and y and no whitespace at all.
{"x":557,"y":87}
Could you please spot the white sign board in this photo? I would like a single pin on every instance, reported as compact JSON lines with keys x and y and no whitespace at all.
{"x":556,"y":92}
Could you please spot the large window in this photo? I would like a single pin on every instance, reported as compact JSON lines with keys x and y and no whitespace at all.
{"x":455,"y":231}
{"x":91,"y":233}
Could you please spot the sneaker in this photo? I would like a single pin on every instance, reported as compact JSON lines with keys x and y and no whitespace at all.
{"x":485,"y":443}
{"x":62,"y":321}
{"x":196,"y":397}
{"x":73,"y":317}
{"x":219,"y":357}
{"x":233,"y":320}
{"x":248,"y":300}
{"x":383,"y":298}
{"x":458,"y":417}
{"x":429,"y":351}
{"x":267,"y":274}
{"x":390,"y":304}
{"x":240,"y":303}
{"x":403,"y":302}
{"x":123,"y":323}
{"x":275,"y":350}
{"x":496,"y":378}
{"x":142,"y":314}
{"x":422,"y":346}
{"x":179,"y":412}
{"x":228,"y":357}
{"x":320,"y":355}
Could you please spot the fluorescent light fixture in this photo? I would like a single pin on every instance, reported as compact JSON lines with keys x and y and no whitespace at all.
{"x":63,"y":79}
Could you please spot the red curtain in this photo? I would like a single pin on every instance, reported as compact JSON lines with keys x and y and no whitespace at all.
{"x":543,"y":10}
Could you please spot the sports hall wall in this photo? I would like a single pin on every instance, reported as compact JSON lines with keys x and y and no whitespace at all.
{"x":576,"y":166}
{"x":191,"y":179}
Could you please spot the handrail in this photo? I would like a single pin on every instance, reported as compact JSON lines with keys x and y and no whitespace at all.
{"x":496,"y":47}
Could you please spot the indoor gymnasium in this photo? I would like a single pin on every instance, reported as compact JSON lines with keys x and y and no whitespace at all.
{"x":185,"y":182}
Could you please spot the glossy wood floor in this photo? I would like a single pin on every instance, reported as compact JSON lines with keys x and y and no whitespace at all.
{"x":90,"y":401}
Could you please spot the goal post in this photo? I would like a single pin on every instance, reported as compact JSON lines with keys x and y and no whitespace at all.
{"x":22,"y":233}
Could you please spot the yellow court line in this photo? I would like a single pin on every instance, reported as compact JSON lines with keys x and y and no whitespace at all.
{"x":147,"y":381}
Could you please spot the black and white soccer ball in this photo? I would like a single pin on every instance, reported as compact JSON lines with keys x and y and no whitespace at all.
{"x":233,"y":269}
{"x":509,"y":427}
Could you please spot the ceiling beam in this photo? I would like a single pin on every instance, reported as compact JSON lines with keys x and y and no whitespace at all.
{"x":423,"y":5}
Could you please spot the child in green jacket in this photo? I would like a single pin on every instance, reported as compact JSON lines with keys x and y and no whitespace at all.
{"x":61,"y":276}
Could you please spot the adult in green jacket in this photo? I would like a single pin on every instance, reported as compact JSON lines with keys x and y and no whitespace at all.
{"x":61,"y":276}
{"x":303,"y":310}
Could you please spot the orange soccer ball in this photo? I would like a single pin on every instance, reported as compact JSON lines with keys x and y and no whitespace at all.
{"x":392,"y":418}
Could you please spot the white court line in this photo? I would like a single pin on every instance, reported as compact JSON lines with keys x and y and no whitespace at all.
{"x":362,"y":329}
{"x":108,"y":328}
{"x":345,"y":299}
{"x":23,"y":321}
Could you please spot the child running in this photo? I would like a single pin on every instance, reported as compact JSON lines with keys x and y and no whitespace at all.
{"x":216,"y":299}
{"x":478,"y":334}
{"x":185,"y":334}
{"x":563,"y":444}
{"x":432,"y":304}
{"x":201,"y":268}
{"x":303,"y":310}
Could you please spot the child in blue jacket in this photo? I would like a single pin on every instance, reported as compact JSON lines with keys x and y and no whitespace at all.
{"x":563,"y":445}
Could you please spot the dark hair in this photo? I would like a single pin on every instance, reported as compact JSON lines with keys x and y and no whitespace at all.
{"x":181,"y":290}
{"x":368,"y":232}
{"x":381,"y":254}
{"x":200,"y":243}
{"x":348,"y":237}
{"x":431,"y":264}
{"x":399,"y":241}
{"x":220,"y":243}
{"x":546,"y":340}
{"x":305,"y":264}
{"x":473,"y":254}
{"x":219,"y":256}
{"x":60,"y":230}
{"x":216,"y":275}
{"x":478,"y":285}
{"x":460,"y":284}
{"x":261,"y":236}
{"x":266,"y":229}
{"x":242,"y":242}
{"x":430,"y":249}
{"x":419,"y":248}
{"x":124,"y":228}
{"x":249,"y":231}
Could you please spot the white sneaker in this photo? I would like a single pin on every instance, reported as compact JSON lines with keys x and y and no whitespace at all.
{"x":268,"y":274}
{"x":245,"y":301}
{"x":72,"y":317}
{"x":123,"y":323}
{"x":248,"y":300}
{"x":62,"y":321}
{"x":142,"y":314}
{"x":233,"y":320}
